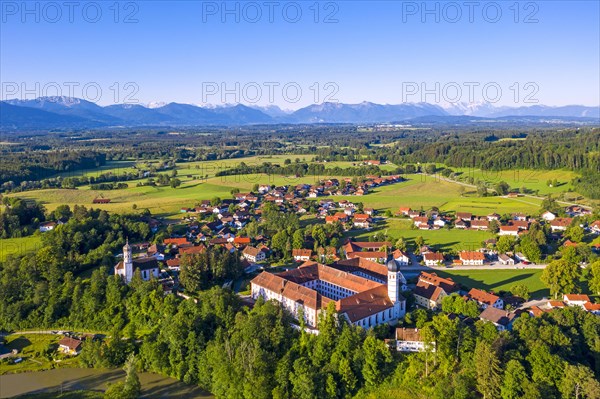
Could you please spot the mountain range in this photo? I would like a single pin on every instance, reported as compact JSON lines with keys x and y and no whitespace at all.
{"x":69,"y":113}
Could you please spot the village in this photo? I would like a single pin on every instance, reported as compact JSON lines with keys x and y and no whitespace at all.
{"x":370,"y":282}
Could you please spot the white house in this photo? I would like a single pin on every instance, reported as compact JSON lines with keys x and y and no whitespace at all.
{"x":472,"y":258}
{"x":433,"y":258}
{"x":401,"y":257}
{"x":548,"y":216}
{"x":506,"y":260}
{"x":253,"y":254}
{"x":410,"y":340}
{"x":47,"y":226}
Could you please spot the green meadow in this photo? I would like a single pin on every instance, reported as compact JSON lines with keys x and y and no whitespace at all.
{"x":18,"y":246}
{"x":443,"y":239}
{"x":535,"y":180}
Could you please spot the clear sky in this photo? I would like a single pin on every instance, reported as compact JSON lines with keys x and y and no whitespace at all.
{"x":297,"y":53}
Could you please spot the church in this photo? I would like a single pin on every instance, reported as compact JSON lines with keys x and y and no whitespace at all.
{"x":148,"y":266}
{"x":365,"y":293}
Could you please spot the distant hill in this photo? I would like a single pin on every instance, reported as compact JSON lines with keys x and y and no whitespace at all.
{"x":68,"y":113}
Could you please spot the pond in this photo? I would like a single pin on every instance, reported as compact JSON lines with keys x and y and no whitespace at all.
{"x":153,"y":385}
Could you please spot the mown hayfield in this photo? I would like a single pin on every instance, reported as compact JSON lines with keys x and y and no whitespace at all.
{"x":528,"y":178}
{"x":417,"y":192}
{"x":18,"y":246}
{"x":422,"y":192}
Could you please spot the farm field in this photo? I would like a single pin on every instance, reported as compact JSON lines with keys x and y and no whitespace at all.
{"x":417,"y":192}
{"x":424,"y":192}
{"x":529,"y":178}
{"x":18,"y":246}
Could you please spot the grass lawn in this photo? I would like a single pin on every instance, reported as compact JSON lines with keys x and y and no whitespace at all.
{"x":443,"y":240}
{"x":18,"y":246}
{"x":31,"y":348}
{"x":499,"y":280}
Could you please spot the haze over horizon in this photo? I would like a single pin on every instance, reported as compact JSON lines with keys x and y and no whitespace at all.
{"x":248,"y":53}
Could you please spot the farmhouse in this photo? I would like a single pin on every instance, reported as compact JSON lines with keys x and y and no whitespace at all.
{"x":473,"y":258}
{"x":311,"y":287}
{"x":70,"y":346}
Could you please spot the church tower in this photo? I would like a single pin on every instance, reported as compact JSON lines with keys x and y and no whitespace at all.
{"x":393,"y":281}
{"x":127,"y":262}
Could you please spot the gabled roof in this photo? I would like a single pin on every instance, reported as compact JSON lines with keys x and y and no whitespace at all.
{"x":471,"y":255}
{"x":482,"y":296}
{"x":497,"y":316}
{"x":408,"y":334}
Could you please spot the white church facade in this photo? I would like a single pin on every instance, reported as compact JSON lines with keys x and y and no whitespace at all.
{"x":365,"y":293}
{"x":148,"y":267}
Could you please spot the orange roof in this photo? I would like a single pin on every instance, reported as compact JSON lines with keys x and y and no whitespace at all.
{"x":192,"y":250}
{"x":301,"y":252}
{"x":241,"y":240}
{"x":592,"y":307}
{"x":556,"y":304}
{"x":482,"y":296}
{"x":366,"y":255}
{"x":176,"y":241}
{"x":471,"y":255}
{"x":577,"y":297}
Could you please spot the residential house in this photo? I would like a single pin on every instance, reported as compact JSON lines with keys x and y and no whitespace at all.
{"x":410,"y":340}
{"x":401,"y":257}
{"x":47,"y":226}
{"x":253,"y":255}
{"x":560,"y":224}
{"x":502,"y":319}
{"x":485,"y":299}
{"x":433,"y":258}
{"x":472,"y":258}
{"x":431,"y":289}
{"x":548,"y":216}
{"x":576,"y":299}
{"x":301,"y":255}
{"x":480,"y":224}
{"x":421,"y":222}
{"x":464,"y":216}
{"x":70,"y":346}
{"x":509,"y":231}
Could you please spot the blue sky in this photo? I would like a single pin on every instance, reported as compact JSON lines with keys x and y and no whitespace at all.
{"x":385,"y":52}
